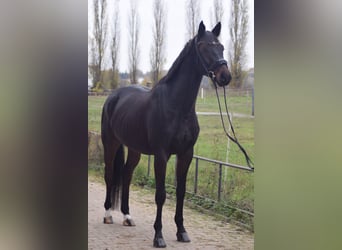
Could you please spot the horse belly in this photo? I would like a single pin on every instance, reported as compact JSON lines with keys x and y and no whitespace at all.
{"x":136,"y":139}
{"x":130,"y":130}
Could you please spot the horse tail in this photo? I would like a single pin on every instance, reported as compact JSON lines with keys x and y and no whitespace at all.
{"x":118,"y":165}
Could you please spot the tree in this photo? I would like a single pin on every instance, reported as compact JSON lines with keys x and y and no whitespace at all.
{"x":91,"y":60}
{"x":157,"y":53}
{"x":217,"y":13}
{"x":134,"y":53}
{"x":98,"y":41}
{"x":114,"y":47}
{"x":192,"y":17}
{"x":238,"y":38}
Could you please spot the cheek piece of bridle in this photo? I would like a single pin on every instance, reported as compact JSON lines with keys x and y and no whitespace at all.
{"x":211,"y":74}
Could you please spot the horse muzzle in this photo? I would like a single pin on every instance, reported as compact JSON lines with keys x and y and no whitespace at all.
{"x":222,"y":75}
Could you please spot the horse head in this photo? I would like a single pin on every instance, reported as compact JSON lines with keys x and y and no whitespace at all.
{"x":210,"y":53}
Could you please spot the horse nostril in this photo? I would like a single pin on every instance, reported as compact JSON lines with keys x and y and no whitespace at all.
{"x":223,"y":79}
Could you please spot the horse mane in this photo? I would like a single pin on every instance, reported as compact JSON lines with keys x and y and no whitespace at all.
{"x":177,"y":63}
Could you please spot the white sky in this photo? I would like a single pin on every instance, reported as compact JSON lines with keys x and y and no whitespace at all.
{"x":175,"y":29}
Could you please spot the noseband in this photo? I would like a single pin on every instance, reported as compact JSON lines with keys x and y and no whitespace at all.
{"x":209,"y":69}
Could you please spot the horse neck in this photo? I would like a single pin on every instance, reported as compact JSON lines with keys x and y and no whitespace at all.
{"x":183,"y":89}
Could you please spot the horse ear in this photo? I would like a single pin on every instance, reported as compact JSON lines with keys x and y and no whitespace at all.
{"x":217,"y":29}
{"x":201,"y":29}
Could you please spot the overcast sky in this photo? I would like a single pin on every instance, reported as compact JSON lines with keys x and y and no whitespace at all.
{"x":175,"y":29}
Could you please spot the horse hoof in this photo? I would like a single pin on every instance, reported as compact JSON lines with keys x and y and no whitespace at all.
{"x":108,"y":220}
{"x":183,"y":237}
{"x":159,"y":243}
{"x":128,"y":222}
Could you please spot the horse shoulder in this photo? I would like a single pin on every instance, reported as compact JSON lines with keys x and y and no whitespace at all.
{"x":185,"y":134}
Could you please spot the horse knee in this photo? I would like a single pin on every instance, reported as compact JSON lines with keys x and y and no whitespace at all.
{"x":160,"y":197}
{"x":180,"y":192}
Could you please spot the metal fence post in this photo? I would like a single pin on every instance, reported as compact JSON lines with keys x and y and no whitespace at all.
{"x":148,"y":165}
{"x":220,"y":183}
{"x":196,"y":176}
{"x":253,"y":101}
{"x":175,"y":180}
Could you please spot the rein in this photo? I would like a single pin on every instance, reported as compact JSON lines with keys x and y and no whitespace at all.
{"x":211,"y":74}
{"x":234,"y":139}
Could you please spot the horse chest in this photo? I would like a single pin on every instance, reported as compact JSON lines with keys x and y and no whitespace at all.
{"x":186,"y":134}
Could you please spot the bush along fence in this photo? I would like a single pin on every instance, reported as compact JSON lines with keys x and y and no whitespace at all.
{"x":223,"y":189}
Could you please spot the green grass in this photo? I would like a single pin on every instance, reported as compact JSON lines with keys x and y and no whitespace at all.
{"x":95,"y":104}
{"x":238,"y":186}
{"x":236,"y":103}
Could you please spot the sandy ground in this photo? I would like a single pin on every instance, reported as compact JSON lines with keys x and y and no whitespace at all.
{"x":204,"y":231}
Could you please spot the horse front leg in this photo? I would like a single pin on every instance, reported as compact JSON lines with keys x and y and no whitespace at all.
{"x":183,"y":163}
{"x":160,"y":162}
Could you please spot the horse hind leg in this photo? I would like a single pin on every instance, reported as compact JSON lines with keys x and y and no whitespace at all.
{"x":113,"y":156}
{"x":133,"y":159}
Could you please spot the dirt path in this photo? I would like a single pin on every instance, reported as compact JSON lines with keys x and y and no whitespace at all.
{"x":204,"y":231}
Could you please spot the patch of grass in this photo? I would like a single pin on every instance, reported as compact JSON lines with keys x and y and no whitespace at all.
{"x":96,"y":172}
{"x":241,"y":103}
{"x":95,"y":104}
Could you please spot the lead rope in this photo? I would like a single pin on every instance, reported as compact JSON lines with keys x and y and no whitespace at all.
{"x":235,"y":140}
{"x":211,"y":75}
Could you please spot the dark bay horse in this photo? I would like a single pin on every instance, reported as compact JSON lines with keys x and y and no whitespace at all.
{"x":160,"y":122}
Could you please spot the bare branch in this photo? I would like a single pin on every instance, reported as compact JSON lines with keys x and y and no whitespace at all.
{"x":98,"y":44}
{"x":134,"y":52}
{"x":192,"y":17}
{"x":157,"y":53}
{"x":218,"y":12}
{"x":238,"y":30}
{"x":114,"y":47}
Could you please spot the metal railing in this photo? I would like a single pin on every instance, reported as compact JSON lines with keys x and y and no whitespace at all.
{"x":220,"y":164}
{"x":96,"y":93}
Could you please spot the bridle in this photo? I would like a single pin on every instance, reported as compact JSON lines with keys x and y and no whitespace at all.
{"x":209,"y":70}
{"x":211,"y":74}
